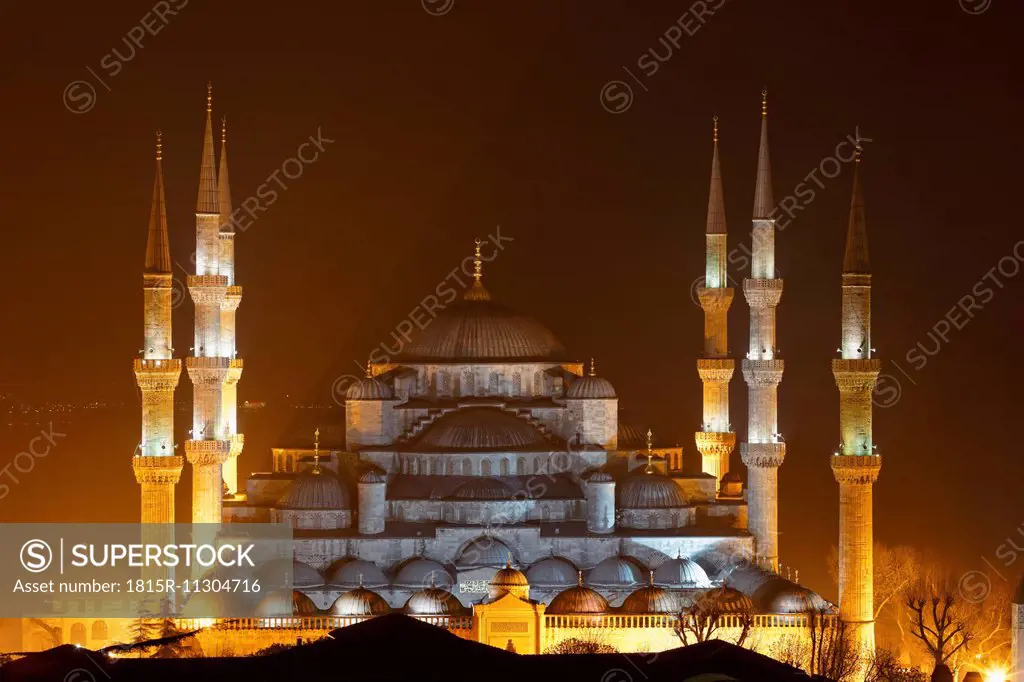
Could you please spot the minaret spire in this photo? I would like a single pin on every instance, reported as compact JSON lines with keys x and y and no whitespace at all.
{"x":158,"y":248}
{"x":856,"y":464}
{"x":764,"y":450}
{"x":207,"y":199}
{"x":477,"y":292}
{"x":715,"y":441}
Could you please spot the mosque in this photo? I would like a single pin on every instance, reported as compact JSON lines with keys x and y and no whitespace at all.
{"x":482,"y":479}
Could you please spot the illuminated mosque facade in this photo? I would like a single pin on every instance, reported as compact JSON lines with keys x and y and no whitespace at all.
{"x":483,"y":480}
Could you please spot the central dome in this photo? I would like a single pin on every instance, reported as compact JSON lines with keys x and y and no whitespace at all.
{"x":477,"y":328}
{"x":485,"y":429}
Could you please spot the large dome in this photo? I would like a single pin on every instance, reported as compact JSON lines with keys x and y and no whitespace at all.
{"x":681,"y":572}
{"x":616,"y":571}
{"x":483,"y":429}
{"x":433,"y":601}
{"x":651,"y":599}
{"x":552,"y":571}
{"x":275,"y":571}
{"x":420,"y":572}
{"x":484,"y":551}
{"x":316,"y":489}
{"x":360,"y":602}
{"x":350,"y":572}
{"x":576,"y":600}
{"x":477,"y":328}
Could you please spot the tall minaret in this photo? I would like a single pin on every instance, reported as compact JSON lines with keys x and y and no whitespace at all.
{"x":233,"y":297}
{"x":209,"y":446}
{"x":715,"y":440}
{"x":856,"y":465}
{"x":762,"y":370}
{"x":157,"y":467}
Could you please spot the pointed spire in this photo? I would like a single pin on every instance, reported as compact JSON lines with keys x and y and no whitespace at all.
{"x":855,"y":261}
{"x":650,"y":452}
{"x":593,"y":367}
{"x":316,"y":451}
{"x":763,"y":200}
{"x":223,"y":184}
{"x":477,"y":292}
{"x":716,"y":200}
{"x":158,"y":249}
{"x":207,"y":201}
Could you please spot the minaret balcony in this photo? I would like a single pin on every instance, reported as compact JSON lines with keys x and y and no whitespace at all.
{"x":763,"y":455}
{"x":715,"y":442}
{"x":157,"y":375}
{"x":856,"y":374}
{"x":158,"y":469}
{"x":716,"y":370}
{"x":715,"y":300}
{"x":853,"y":279}
{"x":763,"y":372}
{"x":762,"y":293}
{"x":157,"y":280}
{"x":207,"y":452}
{"x":856,"y":468}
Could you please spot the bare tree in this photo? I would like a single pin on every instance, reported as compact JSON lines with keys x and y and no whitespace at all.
{"x":885,"y":666}
{"x":705,"y":618}
{"x":937,"y":620}
{"x":53,"y":632}
{"x":833,"y":653}
{"x":578,"y":645}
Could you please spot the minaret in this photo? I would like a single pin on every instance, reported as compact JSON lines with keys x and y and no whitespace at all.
{"x":715,"y":440}
{"x":209,"y":446}
{"x":856,"y":465}
{"x":232,"y":298}
{"x":762,"y":370}
{"x":157,"y":467}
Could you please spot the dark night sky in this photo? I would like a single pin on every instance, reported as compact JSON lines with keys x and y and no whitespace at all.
{"x":448,"y":125}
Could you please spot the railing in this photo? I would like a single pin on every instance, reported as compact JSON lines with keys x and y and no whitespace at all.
{"x":728,"y":620}
{"x":312,"y":623}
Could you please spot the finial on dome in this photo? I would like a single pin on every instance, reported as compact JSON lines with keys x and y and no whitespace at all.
{"x":433,"y":583}
{"x":159,"y":145}
{"x":360,"y":578}
{"x":369,"y":369}
{"x":650,"y":454}
{"x":508,"y":562}
{"x":715,"y":119}
{"x":764,"y":102}
{"x":316,"y":451}
{"x":478,"y":264}
{"x":223,"y":129}
{"x":209,"y":96}
{"x":579,"y":578}
{"x":857,"y":150}
{"x":593,"y":367}
{"x":476,"y":291}
{"x":650,"y":578}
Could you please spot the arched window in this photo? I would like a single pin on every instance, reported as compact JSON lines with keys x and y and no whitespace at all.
{"x":451,"y":467}
{"x":99,"y":629}
{"x":468,"y":383}
{"x":485,"y":467}
{"x":78,"y":634}
{"x":537,"y":465}
{"x":492,"y":383}
{"x":520,"y":467}
{"x":517,"y":385}
{"x":467,"y":466}
{"x":504,"y":467}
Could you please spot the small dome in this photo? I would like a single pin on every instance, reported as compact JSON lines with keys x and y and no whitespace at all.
{"x":576,"y":600}
{"x":651,"y":599}
{"x":372,"y":476}
{"x":275,"y":571}
{"x":552,"y":571}
{"x":732,"y":485}
{"x":484,"y":551}
{"x":783,"y":596}
{"x":480,"y":429}
{"x":369,"y":388}
{"x":590,"y":386}
{"x":616,"y":571}
{"x":600,"y":477}
{"x":351,"y":572}
{"x":360,"y":602}
{"x":421,"y":572}
{"x":285,"y":604}
{"x":681,"y":572}
{"x":509,"y":580}
{"x":433,"y":601}
{"x":316,"y":489}
{"x":727,"y":599}
{"x":650,"y":491}
{"x":482,"y":489}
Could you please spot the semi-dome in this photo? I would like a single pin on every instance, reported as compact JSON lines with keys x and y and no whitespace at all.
{"x":360,"y":602}
{"x":590,"y":386}
{"x":420,"y":572}
{"x":484,"y":551}
{"x":275,"y":572}
{"x":600,"y":477}
{"x":509,"y":580}
{"x":578,"y":600}
{"x":681,"y":572}
{"x":651,"y":599}
{"x":477,"y":328}
{"x":433,"y":601}
{"x":481,"y":429}
{"x":552,"y":571}
{"x":369,"y":388}
{"x":726,"y":600}
{"x":350,"y":572}
{"x":616,"y":571}
{"x":372,"y":476}
{"x":316,"y":489}
{"x":482,"y":489}
{"x":285,"y":604}
{"x":650,"y":491}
